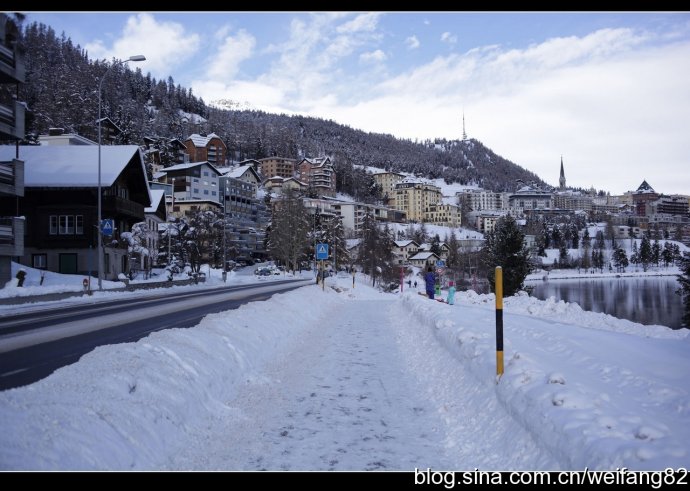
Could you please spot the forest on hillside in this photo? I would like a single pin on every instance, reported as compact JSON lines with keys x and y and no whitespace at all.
{"x":61,"y":90}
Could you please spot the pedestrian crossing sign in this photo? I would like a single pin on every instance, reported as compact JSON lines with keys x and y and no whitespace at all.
{"x":107,"y":227}
{"x":321,"y":251}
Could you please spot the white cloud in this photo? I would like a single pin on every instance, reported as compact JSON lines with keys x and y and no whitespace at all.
{"x":305,"y":72}
{"x":610,"y":100}
{"x":412,"y":42}
{"x":165,"y":44}
{"x":447,"y":37}
{"x":363,"y":22}
{"x":373,"y":57}
{"x":606,"y":101}
{"x":225,"y":63}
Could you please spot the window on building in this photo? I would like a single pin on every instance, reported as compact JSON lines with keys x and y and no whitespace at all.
{"x":53,"y":227}
{"x":79,"y":225}
{"x":66,"y":225}
{"x":205,"y":191}
{"x":39,"y":261}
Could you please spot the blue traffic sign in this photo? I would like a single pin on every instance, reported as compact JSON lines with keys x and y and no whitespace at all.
{"x":321,"y":251}
{"x":440,"y":263}
{"x":107,"y":226}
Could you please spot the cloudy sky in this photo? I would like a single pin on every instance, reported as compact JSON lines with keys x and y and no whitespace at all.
{"x":609,"y":92}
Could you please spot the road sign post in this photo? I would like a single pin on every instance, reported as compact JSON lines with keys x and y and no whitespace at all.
{"x":321,"y":251}
{"x":107,"y":227}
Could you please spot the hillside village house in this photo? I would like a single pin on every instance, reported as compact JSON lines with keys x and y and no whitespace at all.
{"x":208,"y":148}
{"x":403,"y":250}
{"x":414,"y":198}
{"x":387,"y":181}
{"x":195,"y":180}
{"x":319,"y":175}
{"x":61,"y":206}
{"x":424,"y":259}
{"x":279,"y":185}
{"x":277,"y":166}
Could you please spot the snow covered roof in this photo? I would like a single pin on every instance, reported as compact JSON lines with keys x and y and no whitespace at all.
{"x":201,"y":141}
{"x":645,"y":188}
{"x":404,"y":243}
{"x":189,"y":165}
{"x":72,"y":166}
{"x":156,"y":197}
{"x":317,"y":161}
{"x":237,"y":172}
{"x":422,"y":256}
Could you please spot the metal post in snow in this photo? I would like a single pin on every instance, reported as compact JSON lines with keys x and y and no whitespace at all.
{"x":499,"y":321}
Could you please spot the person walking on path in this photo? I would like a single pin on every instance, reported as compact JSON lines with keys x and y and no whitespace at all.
{"x":430,"y":280}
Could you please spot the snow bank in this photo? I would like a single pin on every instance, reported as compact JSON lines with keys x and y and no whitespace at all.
{"x":611,"y":397}
{"x":130,"y":406}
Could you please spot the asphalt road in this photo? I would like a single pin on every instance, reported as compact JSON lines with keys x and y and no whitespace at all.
{"x":34,"y":345}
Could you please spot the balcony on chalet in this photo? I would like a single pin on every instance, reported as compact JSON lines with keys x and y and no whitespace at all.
{"x":12,"y":178}
{"x":12,"y":120}
{"x":115,"y":205}
{"x":11,"y":236}
{"x":12,"y":69}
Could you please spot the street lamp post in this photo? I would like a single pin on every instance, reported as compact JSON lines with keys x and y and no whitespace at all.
{"x":100,"y":211}
{"x":172,"y":210}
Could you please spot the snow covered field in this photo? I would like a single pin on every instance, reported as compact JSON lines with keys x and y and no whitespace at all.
{"x":357,"y":379}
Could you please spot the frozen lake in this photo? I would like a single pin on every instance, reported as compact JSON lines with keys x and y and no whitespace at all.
{"x":650,"y":300}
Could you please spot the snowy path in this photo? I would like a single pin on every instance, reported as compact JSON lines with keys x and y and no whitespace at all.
{"x":344,"y":397}
{"x":341,"y":399}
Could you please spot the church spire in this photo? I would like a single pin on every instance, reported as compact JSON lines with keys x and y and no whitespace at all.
{"x":464,"y":133}
{"x":561,"y":180}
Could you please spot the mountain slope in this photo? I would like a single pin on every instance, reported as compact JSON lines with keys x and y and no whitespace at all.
{"x":61,"y":91}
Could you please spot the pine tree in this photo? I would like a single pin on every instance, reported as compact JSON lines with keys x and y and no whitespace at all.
{"x":563,"y":256}
{"x":645,"y":252}
{"x":375,"y":251}
{"x":656,"y":250}
{"x":505,"y":247}
{"x":620,"y":260}
{"x":684,"y":290}
{"x":288,"y":237}
{"x":667,"y":254}
{"x":453,"y":260}
{"x":634,"y":254}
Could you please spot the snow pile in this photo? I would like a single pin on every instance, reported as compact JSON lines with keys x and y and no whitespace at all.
{"x":594,"y":398}
{"x":130,"y":406}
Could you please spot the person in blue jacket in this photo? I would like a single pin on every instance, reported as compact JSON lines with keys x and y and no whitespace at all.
{"x":451,"y":293}
{"x":430,"y":280}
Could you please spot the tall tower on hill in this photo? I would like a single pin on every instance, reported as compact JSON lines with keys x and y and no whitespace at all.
{"x":464,"y":133}
{"x":561,"y":180}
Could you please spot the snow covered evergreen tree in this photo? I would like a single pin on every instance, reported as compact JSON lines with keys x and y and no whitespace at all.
{"x":505,"y":247}
{"x":645,"y":252}
{"x":288,"y":237}
{"x":684,"y":290}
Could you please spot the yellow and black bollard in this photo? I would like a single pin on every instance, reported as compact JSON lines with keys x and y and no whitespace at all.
{"x":499,"y":321}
